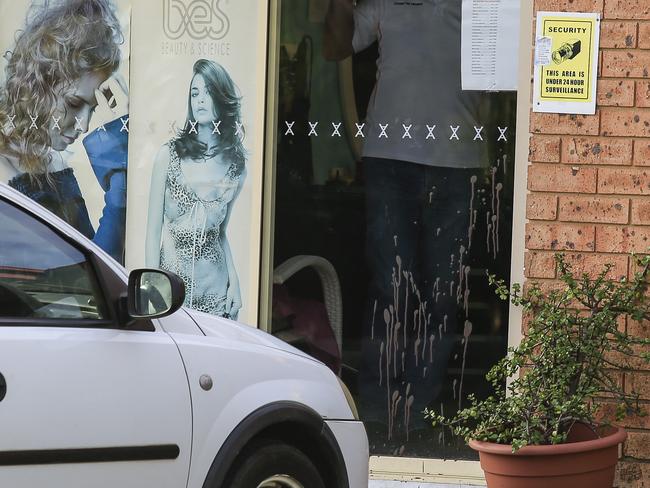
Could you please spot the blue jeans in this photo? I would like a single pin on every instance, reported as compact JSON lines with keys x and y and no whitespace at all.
{"x":417,"y":217}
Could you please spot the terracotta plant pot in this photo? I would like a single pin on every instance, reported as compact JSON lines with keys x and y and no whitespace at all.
{"x":575,"y":464}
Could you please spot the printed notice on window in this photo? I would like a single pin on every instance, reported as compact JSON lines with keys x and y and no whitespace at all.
{"x":565,"y":81}
{"x":490,"y":40}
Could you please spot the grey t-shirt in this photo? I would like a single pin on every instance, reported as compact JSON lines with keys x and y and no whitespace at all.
{"x":419,"y":84}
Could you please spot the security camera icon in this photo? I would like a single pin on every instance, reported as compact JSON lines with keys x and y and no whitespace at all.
{"x":568,"y":50}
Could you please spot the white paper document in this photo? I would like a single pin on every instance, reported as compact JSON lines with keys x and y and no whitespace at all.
{"x":543,"y":51}
{"x":490,"y":44}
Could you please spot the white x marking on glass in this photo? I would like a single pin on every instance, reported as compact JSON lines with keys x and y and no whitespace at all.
{"x":125,"y":123}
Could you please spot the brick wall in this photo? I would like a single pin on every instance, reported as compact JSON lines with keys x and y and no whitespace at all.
{"x":589,"y":181}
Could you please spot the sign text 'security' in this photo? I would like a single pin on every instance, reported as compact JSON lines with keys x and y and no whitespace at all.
{"x":198,"y":19}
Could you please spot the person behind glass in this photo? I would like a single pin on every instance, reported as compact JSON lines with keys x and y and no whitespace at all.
{"x":196,"y":179}
{"x":418,"y":185}
{"x":56,"y":75}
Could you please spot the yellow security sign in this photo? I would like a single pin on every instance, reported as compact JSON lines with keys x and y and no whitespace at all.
{"x":566,"y":62}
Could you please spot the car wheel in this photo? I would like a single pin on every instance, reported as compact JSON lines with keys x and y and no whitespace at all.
{"x":275,"y":465}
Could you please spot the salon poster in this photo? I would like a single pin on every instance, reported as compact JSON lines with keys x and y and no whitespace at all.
{"x":64,"y":78}
{"x":198,"y":83}
{"x":566,"y":62}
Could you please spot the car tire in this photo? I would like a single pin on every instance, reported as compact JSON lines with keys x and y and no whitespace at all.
{"x":274,"y":465}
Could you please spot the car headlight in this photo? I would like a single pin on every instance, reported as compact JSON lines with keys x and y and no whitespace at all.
{"x":348,"y":397}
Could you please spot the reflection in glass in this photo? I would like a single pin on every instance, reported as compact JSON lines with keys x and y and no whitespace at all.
{"x":41,"y":275}
{"x":411,"y":224}
{"x":154,"y":294}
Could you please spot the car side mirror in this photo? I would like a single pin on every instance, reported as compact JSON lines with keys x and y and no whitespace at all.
{"x":154,"y":293}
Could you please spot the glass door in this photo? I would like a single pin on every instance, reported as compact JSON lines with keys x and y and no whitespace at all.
{"x":393,"y":201}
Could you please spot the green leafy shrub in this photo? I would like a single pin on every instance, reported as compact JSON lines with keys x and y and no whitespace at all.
{"x":572,"y":352}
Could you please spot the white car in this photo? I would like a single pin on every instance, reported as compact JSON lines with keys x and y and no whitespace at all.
{"x":105,"y":381}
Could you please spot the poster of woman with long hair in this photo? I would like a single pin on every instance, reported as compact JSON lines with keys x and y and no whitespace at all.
{"x":196,"y":149}
{"x":64,"y":84}
{"x":196,"y":178}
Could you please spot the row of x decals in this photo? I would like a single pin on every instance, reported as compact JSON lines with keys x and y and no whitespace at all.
{"x":383,"y":131}
{"x":56,"y":123}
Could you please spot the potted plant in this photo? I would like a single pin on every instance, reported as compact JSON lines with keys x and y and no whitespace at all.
{"x":542,"y":430}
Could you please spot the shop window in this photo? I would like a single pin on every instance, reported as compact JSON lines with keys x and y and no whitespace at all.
{"x":394,"y":190}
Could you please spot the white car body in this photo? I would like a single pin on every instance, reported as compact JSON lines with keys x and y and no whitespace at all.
{"x":113,"y":407}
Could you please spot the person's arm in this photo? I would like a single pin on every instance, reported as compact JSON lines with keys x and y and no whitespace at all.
{"x":233,"y":294}
{"x":156,"y":208}
{"x":338,"y":31}
{"x":107,"y":152}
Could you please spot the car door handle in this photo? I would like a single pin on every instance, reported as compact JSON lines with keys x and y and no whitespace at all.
{"x":3,"y":387}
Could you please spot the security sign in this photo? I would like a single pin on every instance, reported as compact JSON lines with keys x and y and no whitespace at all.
{"x":566,"y":62}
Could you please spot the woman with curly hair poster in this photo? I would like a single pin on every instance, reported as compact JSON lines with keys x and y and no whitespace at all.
{"x":64,"y":111}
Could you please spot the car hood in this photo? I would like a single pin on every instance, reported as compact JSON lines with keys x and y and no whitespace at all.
{"x":214,"y":326}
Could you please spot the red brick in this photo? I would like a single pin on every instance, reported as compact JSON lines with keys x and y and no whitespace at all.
{"x":637,"y":444}
{"x":543,"y":123}
{"x":642,"y":152}
{"x":560,"y":178}
{"x":638,"y":362}
{"x":544,"y":149}
{"x":624,"y":181}
{"x":594,"y":209}
{"x":545,"y":286}
{"x":541,"y":206}
{"x":621,"y":323}
{"x":639,"y":329}
{"x":622,"y":239}
{"x":644,"y":35}
{"x":569,"y":5}
{"x":586,"y":150}
{"x":625,"y":122}
{"x":642,"y":98}
{"x":627,"y":64}
{"x":626,"y":9}
{"x":640,"y":211}
{"x":600,"y":64}
{"x":616,"y":93}
{"x":592,"y":264}
{"x":539,"y":264}
{"x":638,"y":383}
{"x":607,"y":413}
{"x":629,"y":360}
{"x":617,"y":34}
{"x":631,"y":475}
{"x":556,"y":237}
